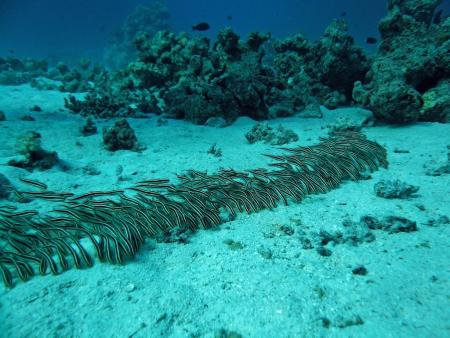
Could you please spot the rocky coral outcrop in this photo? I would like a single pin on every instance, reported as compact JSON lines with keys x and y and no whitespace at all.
{"x":34,"y":156}
{"x":190,"y":78}
{"x":120,"y":136}
{"x":322,"y":72}
{"x":15,"y":71}
{"x":409,"y":78}
{"x":187,"y":78}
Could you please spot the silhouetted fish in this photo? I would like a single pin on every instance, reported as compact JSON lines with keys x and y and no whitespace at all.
{"x":371,"y":40}
{"x":202,"y":26}
{"x":229,"y":18}
{"x":343,"y":14}
{"x":11,"y":51}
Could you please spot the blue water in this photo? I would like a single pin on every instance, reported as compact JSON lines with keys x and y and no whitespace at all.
{"x":71,"y":29}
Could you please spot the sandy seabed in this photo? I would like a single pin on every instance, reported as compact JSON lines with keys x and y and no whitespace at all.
{"x":252,"y":275}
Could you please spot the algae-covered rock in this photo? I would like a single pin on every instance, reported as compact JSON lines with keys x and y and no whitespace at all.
{"x":436,"y":103}
{"x":262,"y":132}
{"x":395,"y":189}
{"x":120,"y":136}
{"x":29,"y":146}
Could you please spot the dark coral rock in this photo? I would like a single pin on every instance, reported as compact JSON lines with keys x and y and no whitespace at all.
{"x":337,"y":61}
{"x":228,"y":42}
{"x":29,"y":145}
{"x":182,"y":103}
{"x":371,"y":222}
{"x":324,"y":252}
{"x":120,"y":136}
{"x":357,"y":234}
{"x":395,"y":224}
{"x":390,"y":224}
{"x":27,"y":118}
{"x":408,"y":79}
{"x":263,"y":132}
{"x":360,"y":270}
{"x":62,"y":68}
{"x":394,"y":189}
{"x":255,"y":40}
{"x":36,"y":108}
{"x":420,"y":10}
{"x":323,"y":72}
{"x":89,"y":128}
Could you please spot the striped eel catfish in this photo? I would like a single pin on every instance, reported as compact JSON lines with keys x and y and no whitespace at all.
{"x":111,"y":226}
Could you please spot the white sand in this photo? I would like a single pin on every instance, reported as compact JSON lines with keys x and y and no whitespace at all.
{"x":195,"y":289}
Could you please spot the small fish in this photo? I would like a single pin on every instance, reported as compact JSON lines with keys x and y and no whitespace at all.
{"x":371,"y":40}
{"x":229,"y":18}
{"x":202,"y":26}
{"x":36,"y":184}
{"x":96,"y":194}
{"x":25,"y":213}
{"x":47,"y":195}
{"x":343,"y":14}
{"x":11,"y":51}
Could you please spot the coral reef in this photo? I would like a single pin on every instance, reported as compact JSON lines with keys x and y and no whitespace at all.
{"x":29,"y":145}
{"x":117,"y":223}
{"x":14,"y":71}
{"x":409,"y":77}
{"x":76,"y":79}
{"x":323,"y":71}
{"x":191,"y":78}
{"x":120,"y":136}
{"x":188,"y":78}
{"x":145,"y":19}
